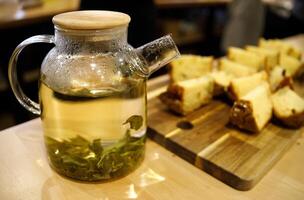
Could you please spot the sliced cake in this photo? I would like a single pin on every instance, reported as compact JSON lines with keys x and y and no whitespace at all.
{"x":190,"y":66}
{"x":186,"y":96}
{"x":270,"y":56}
{"x":235,"y":69}
{"x":288,"y":107}
{"x":283,"y":47}
{"x":239,"y":87}
{"x":221,"y":82}
{"x":291,"y":64}
{"x":278,"y":78}
{"x":245,"y":58}
{"x":254,"y":110}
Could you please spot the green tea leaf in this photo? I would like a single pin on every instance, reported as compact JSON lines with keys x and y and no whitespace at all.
{"x":96,"y":147}
{"x":79,"y":141}
{"x":135,"y":121}
{"x":74,"y":160}
{"x":90,"y":161}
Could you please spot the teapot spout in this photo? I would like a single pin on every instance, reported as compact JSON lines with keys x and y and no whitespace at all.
{"x":158,"y":53}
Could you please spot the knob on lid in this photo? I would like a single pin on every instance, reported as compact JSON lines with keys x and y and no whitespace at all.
{"x":91,"y":20}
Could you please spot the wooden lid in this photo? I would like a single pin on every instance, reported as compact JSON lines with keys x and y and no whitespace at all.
{"x":91,"y":20}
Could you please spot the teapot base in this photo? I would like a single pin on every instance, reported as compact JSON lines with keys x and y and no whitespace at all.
{"x":113,"y":163}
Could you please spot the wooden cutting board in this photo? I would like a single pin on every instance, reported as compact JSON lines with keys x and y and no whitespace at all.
{"x":205,"y":139}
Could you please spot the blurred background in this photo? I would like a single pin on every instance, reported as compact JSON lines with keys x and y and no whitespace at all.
{"x":205,"y":27}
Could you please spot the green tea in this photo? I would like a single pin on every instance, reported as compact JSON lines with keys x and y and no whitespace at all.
{"x":94,"y":135}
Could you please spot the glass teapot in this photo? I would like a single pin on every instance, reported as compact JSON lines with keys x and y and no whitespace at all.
{"x":92,"y":93}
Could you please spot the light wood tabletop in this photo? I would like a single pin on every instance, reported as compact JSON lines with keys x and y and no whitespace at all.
{"x":18,"y":16}
{"x":25,"y":173}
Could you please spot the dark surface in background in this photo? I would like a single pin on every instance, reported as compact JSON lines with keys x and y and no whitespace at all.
{"x":144,"y":27}
{"x":281,"y":27}
{"x":29,"y":61}
{"x":210,"y":21}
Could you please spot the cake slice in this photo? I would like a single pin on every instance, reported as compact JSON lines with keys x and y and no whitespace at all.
{"x":254,"y":110}
{"x":288,"y":107}
{"x":270,"y":56}
{"x":291,"y":64}
{"x":245,"y":58}
{"x":235,"y":69}
{"x":186,"y":96}
{"x":190,"y":66}
{"x":239,"y":87}
{"x":221,"y":82}
{"x":283,"y":47}
{"x":278,"y":78}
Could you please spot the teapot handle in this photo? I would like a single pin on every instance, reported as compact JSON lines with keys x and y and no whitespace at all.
{"x":12,"y":72}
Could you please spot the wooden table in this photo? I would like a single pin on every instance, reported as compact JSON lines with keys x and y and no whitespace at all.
{"x":48,"y":9}
{"x":25,"y":173}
